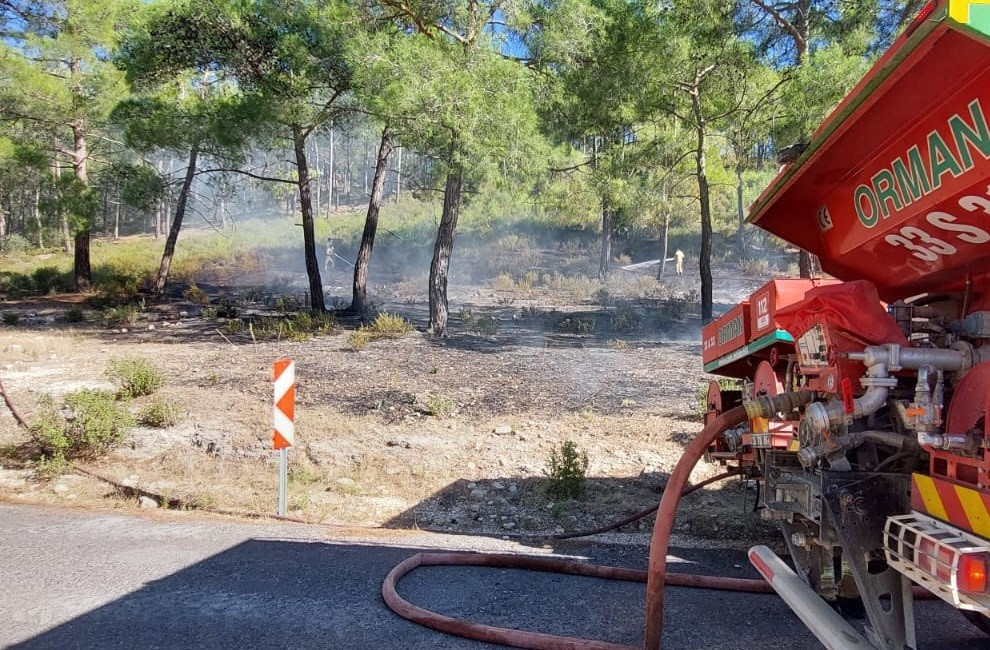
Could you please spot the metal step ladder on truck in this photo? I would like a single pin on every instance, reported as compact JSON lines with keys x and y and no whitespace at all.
{"x":882,"y":481}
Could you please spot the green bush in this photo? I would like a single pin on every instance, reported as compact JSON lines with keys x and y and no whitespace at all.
{"x":85,"y":425}
{"x":122,"y":315}
{"x":75,"y":315}
{"x":160,"y":413}
{"x":11,"y":318}
{"x":384,"y":326}
{"x":439,"y":405}
{"x":14,"y":244}
{"x":134,"y":376}
{"x":566,"y":468}
{"x":48,"y":279}
{"x":389,"y":325}
{"x":195,"y":295}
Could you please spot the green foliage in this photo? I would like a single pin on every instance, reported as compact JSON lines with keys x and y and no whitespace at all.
{"x":11,"y":318}
{"x":85,"y":425}
{"x":14,"y":244}
{"x":385,"y":326}
{"x":566,"y":467}
{"x":117,"y":285}
{"x":576,"y":325}
{"x":439,"y":405}
{"x":75,"y":315}
{"x":134,"y":376}
{"x":388,"y":325}
{"x":626,"y":322}
{"x":120,"y":316}
{"x":161,"y":413}
{"x":478,"y":323}
{"x":359,"y":339}
{"x":297,"y":326}
{"x":49,"y":279}
{"x":195,"y":295}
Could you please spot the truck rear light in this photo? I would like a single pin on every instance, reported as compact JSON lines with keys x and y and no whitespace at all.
{"x":972,"y":573}
{"x":950,"y":562}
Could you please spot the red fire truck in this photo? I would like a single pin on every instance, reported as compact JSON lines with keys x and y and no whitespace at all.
{"x":881,"y":483}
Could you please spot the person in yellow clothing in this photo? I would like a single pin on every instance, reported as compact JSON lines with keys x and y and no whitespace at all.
{"x":679,"y":261}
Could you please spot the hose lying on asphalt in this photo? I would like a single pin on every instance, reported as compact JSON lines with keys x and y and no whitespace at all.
{"x":656,"y":577}
{"x":523,"y":638}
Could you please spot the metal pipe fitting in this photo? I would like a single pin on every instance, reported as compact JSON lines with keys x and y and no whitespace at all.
{"x":768,"y":406}
{"x":823,"y":415}
{"x":897,"y":357}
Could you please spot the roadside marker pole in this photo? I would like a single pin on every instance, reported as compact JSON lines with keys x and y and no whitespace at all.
{"x":283,"y":417}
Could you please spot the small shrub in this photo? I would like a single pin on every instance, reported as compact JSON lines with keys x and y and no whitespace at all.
{"x":503,"y":282}
{"x":439,"y":405}
{"x":234,"y":326}
{"x":302,"y":475}
{"x":478,"y":324}
{"x":195,"y":295}
{"x":75,"y":315}
{"x":226,"y":309}
{"x":576,"y":325}
{"x":48,"y":279}
{"x":14,"y":244}
{"x":567,"y":468}
{"x":50,"y":467}
{"x":358,"y":339}
{"x":755,"y":267}
{"x":122,"y":315}
{"x":134,"y":376}
{"x":85,"y":425}
{"x":602,"y":297}
{"x":160,"y":414}
{"x":626,"y":322}
{"x":10,"y":318}
{"x":119,"y":288}
{"x":389,"y":325}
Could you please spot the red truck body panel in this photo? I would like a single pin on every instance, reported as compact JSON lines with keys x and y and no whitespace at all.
{"x":895,"y":186}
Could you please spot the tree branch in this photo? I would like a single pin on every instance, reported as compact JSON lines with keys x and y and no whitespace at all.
{"x":259,"y":177}
{"x":787,"y":25}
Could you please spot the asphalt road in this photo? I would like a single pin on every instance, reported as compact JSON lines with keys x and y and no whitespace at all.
{"x":75,"y":579}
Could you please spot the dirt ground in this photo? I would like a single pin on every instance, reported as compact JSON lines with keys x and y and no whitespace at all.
{"x":451,"y":435}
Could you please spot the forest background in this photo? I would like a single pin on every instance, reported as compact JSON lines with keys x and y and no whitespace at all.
{"x":643,"y":125}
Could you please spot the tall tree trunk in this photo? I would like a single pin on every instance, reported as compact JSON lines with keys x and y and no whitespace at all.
{"x":398,"y":176}
{"x":807,"y":264}
{"x":319,"y":177}
{"x":331,"y":190}
{"x":740,"y":212}
{"x":180,"y":212}
{"x":316,"y":302}
{"x":3,"y":221}
{"x":37,"y":217}
{"x":82,"y":275}
{"x":605,"y":256}
{"x":704,"y":200}
{"x":63,"y":218}
{"x":359,"y":300}
{"x":442,"y":250}
{"x":365,"y":166}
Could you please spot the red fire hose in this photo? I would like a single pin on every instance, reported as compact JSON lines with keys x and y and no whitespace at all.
{"x":656,"y":576}
{"x":660,"y":541}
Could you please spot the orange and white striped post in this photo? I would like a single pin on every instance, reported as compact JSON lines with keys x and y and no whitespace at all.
{"x":283,"y":418}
